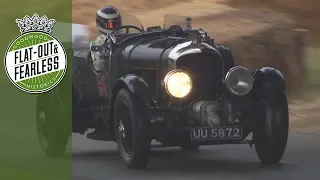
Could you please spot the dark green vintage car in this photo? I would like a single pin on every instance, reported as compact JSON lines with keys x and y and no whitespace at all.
{"x":171,"y":85}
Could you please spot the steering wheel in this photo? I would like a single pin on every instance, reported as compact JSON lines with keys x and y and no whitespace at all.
{"x":127,"y":27}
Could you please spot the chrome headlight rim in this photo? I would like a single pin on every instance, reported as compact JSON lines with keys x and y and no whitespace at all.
{"x":227,"y":78}
{"x":168,"y":75}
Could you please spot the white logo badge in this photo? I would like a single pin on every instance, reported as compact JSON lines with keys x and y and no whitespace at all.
{"x":35,"y":61}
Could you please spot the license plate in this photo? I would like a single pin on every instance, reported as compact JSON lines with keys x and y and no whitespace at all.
{"x":216,"y":133}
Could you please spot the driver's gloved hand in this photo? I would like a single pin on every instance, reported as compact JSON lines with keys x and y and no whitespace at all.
{"x":104,"y":52}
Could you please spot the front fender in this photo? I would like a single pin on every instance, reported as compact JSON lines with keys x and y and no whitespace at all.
{"x":136,"y":85}
{"x":270,"y":78}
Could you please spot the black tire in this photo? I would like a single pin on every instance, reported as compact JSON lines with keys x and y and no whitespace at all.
{"x":135,"y":143}
{"x":271,"y":136}
{"x":52,"y":133}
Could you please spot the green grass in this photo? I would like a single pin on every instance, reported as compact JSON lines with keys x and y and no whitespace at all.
{"x":20,"y":153}
{"x":313,"y":66}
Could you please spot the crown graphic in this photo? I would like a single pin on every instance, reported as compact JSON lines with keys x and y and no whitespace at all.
{"x":35,"y":23}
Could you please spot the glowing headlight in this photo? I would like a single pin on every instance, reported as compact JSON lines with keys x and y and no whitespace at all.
{"x":178,"y":83}
{"x":239,"y":81}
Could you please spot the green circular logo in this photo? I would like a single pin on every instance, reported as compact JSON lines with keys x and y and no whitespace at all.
{"x":35,"y":62}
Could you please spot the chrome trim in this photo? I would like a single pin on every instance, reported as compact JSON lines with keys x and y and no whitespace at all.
{"x":176,"y":53}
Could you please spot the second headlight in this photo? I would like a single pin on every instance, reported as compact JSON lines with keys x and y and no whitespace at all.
{"x":178,"y":83}
{"x":239,"y":81}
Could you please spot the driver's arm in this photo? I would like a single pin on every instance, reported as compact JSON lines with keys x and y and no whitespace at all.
{"x":103,"y":43}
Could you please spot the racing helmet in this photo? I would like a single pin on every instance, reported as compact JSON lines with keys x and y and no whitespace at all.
{"x":108,"y":19}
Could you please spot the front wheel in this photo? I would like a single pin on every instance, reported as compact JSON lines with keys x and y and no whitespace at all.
{"x":132,"y":130}
{"x":271,"y":136}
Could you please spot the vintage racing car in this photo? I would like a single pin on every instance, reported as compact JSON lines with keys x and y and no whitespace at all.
{"x":167,"y":85}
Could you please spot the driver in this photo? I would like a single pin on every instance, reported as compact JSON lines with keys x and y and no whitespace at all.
{"x":108,"y":19}
{"x":188,"y":24}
